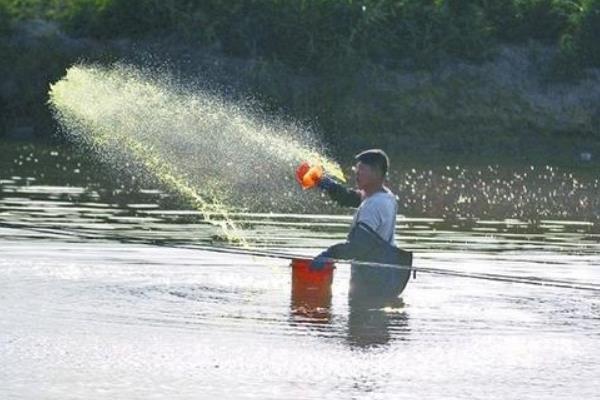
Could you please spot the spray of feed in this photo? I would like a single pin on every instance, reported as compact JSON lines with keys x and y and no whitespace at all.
{"x":217,"y":155}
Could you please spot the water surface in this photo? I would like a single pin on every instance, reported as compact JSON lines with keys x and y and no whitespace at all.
{"x":99,"y":300}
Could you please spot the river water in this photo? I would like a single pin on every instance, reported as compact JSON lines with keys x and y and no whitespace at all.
{"x":108,"y":299}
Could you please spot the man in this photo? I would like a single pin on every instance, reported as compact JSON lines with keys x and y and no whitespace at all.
{"x":371,"y":237}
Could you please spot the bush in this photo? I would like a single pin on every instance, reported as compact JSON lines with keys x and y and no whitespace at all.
{"x":587,"y":35}
{"x":544,"y":20}
{"x":5,"y":19}
{"x":466,"y":29}
{"x":324,"y":33}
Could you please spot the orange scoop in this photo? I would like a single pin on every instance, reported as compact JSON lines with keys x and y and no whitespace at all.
{"x":307,"y":176}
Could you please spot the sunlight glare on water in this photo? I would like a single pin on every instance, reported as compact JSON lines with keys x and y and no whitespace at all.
{"x":97,"y":302}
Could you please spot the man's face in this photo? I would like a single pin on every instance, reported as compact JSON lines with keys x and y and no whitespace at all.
{"x":366,"y":176}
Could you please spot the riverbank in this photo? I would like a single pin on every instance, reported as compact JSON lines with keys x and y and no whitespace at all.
{"x":504,"y":108}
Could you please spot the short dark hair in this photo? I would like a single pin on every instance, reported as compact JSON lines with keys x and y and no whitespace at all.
{"x":375,"y":158}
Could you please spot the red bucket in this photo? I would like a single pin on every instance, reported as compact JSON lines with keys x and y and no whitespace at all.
{"x":311,"y":288}
{"x":302,"y":273}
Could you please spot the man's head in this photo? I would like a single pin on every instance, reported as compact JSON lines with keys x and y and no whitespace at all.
{"x":371,"y":169}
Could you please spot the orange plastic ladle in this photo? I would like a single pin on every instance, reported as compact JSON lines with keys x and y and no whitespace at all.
{"x":307,"y":176}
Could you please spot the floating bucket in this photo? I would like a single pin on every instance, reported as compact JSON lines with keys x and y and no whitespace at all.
{"x":311,"y":288}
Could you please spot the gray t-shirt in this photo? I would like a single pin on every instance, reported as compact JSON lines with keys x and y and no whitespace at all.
{"x":378,"y":212}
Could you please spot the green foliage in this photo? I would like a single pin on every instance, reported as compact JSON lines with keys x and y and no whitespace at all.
{"x":356,"y":53}
{"x":448,"y":27}
{"x":544,"y":20}
{"x":587,"y":34}
{"x":322,"y":33}
{"x":5,"y":18}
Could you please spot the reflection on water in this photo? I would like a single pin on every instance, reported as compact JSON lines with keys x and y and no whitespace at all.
{"x":310,"y":304}
{"x":97,"y":300}
{"x":372,"y":325}
{"x":369,"y":319}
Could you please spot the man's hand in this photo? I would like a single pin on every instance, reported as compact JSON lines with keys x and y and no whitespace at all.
{"x":326,"y":182}
{"x":321,"y":260}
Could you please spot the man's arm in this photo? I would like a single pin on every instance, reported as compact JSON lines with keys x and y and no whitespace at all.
{"x":337,"y":192}
{"x":361,"y":242}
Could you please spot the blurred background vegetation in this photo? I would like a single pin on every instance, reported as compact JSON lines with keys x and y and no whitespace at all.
{"x":428,"y":75}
